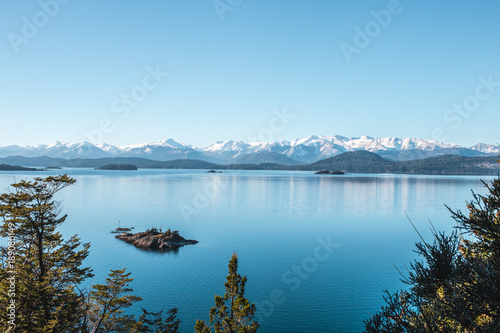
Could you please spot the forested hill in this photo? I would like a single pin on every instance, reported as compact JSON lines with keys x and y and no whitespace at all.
{"x":355,"y":162}
{"x":363,"y":161}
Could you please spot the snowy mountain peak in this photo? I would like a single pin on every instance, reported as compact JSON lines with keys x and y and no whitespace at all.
{"x":305,"y":150}
{"x":171,"y":143}
{"x":229,"y":145}
{"x":55,"y":144}
{"x":486,"y":148}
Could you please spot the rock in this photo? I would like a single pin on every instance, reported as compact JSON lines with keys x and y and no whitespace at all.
{"x":154,"y":239}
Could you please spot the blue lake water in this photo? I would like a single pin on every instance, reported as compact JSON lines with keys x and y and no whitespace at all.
{"x":317,"y":250}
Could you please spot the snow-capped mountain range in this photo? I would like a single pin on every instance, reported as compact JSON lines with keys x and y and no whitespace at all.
{"x":307,"y":150}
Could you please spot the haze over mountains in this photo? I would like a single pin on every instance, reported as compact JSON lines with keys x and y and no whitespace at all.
{"x":308,"y":150}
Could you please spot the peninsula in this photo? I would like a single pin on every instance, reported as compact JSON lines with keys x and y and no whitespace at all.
{"x":7,"y":167}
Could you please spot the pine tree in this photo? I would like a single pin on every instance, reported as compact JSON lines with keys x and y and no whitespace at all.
{"x":232,"y":313}
{"x":39,"y":271}
{"x":457,"y":286}
{"x":107,"y":301}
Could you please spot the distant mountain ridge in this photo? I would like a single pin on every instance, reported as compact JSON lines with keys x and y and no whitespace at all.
{"x":307,"y":150}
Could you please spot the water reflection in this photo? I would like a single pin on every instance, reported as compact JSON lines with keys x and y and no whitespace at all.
{"x":273,"y":220}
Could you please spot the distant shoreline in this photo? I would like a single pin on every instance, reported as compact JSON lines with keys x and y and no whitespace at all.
{"x":350,"y":162}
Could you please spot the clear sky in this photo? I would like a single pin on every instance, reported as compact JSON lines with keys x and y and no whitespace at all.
{"x":85,"y":70}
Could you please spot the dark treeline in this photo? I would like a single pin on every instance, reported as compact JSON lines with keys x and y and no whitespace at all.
{"x":7,"y":167}
{"x":117,"y":167}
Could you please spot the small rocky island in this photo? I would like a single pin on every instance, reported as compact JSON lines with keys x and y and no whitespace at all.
{"x":155,"y":239}
{"x":327,"y":172}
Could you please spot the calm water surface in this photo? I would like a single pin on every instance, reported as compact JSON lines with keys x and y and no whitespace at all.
{"x":276,"y":222}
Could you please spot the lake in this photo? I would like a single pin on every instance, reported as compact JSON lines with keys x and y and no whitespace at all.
{"x":318,"y":250}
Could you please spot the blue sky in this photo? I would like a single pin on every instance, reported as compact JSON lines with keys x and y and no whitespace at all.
{"x":423,"y":69}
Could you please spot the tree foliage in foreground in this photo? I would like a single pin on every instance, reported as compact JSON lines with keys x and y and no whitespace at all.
{"x":232,"y":313}
{"x":46,"y":268}
{"x":40,"y":272}
{"x":456,"y":288}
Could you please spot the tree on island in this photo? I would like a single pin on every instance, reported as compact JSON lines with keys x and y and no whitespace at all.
{"x":232,"y":313}
{"x":457,"y":286}
{"x":40,"y":273}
